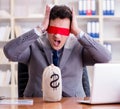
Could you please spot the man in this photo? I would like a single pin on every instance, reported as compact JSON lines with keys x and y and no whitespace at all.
{"x":36,"y":47}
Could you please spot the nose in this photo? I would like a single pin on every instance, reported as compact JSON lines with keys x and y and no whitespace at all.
{"x":57,"y":35}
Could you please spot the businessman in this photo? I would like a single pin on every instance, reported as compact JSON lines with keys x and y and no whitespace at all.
{"x":58,"y":34}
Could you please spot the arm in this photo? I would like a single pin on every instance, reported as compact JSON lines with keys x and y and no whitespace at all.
{"x":16,"y":48}
{"x":19,"y":49}
{"x":93,"y":51}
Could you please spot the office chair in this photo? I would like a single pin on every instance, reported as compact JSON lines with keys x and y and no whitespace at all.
{"x":23,"y":78}
{"x":85,"y":82}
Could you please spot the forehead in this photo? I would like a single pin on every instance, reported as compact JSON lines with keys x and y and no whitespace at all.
{"x":60,"y":22}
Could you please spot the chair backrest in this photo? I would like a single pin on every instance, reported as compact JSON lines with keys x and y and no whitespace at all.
{"x":85,"y":82}
{"x":23,"y":78}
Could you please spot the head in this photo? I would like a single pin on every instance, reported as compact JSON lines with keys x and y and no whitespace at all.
{"x":59,"y":26}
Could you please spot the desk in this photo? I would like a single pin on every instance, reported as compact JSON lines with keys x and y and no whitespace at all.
{"x":65,"y":103}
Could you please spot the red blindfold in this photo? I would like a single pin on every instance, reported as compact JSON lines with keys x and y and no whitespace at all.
{"x":58,"y":30}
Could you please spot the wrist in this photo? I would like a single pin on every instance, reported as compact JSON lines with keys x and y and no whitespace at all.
{"x":80,"y":34}
{"x":41,"y":28}
{"x":76,"y":32}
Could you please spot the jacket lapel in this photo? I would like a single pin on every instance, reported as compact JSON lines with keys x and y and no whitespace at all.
{"x":65,"y":56}
{"x":48,"y":55}
{"x":71,"y":41}
{"x":44,"y":43}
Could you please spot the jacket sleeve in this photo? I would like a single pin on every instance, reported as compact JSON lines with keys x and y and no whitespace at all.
{"x":93,"y":51}
{"x":20,"y":47}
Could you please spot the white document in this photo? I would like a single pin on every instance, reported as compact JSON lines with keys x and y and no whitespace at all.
{"x":18,"y":102}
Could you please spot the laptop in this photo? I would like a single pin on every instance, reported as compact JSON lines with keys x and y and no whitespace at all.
{"x":105,"y":85}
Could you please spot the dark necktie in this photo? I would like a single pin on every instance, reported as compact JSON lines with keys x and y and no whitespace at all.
{"x":55,"y":58}
{"x":56,"y":63}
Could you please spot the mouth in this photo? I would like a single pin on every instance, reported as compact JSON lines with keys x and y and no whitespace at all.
{"x":57,"y":43}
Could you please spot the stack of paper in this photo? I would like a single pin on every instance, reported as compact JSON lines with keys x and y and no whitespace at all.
{"x":18,"y":102}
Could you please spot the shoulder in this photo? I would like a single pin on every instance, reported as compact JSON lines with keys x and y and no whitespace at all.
{"x":43,"y":40}
{"x":71,"y":42}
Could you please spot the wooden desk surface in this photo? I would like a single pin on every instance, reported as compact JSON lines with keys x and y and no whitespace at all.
{"x":65,"y":103}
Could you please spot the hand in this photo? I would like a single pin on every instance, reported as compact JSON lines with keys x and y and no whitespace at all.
{"x":45,"y":21}
{"x":74,"y":25}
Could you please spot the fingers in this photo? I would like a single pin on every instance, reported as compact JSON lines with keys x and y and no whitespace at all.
{"x":74,"y":26}
{"x":73,"y":11}
{"x":46,"y":17}
{"x":47,"y":12}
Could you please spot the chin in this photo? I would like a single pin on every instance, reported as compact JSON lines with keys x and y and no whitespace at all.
{"x":57,"y":48}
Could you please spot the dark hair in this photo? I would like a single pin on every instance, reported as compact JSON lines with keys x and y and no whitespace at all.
{"x":60,"y":11}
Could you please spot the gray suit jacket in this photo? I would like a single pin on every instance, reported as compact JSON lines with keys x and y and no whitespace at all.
{"x":36,"y":52}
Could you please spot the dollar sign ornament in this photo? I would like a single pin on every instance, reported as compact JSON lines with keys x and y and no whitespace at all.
{"x":54,"y":84}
